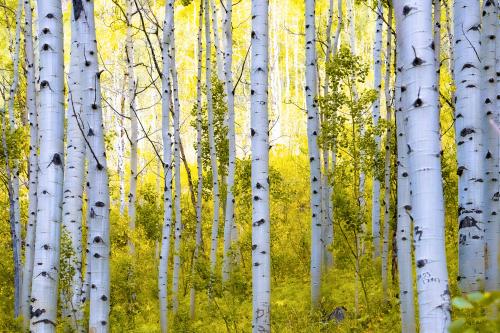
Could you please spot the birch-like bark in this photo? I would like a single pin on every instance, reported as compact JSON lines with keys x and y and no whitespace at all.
{"x":314,"y":157}
{"x":132,"y":108}
{"x":414,"y":18}
{"x":211,"y":142}
{"x":327,"y":228}
{"x":231,"y":136}
{"x":261,"y":261}
{"x":387,"y":167}
{"x":490,"y":54}
{"x":219,"y":52}
{"x":177,"y":174}
{"x":404,"y":232}
{"x":74,"y":173}
{"x":199,"y":193}
{"x":437,"y":41}
{"x":166,"y":98}
{"x":31,"y":106}
{"x":470,"y":150}
{"x":44,"y":293}
{"x":97,"y":182}
{"x":377,"y":85}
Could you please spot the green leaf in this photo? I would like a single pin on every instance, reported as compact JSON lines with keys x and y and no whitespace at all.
{"x":475,"y":297}
{"x":457,"y":325}
{"x":461,"y":303}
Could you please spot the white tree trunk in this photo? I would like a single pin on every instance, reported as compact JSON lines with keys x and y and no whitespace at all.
{"x":199,"y":198}
{"x":314,"y":157}
{"x":490,"y":62}
{"x":229,"y":224}
{"x":177,"y":178}
{"x":437,"y":42}
{"x":97,"y":182}
{"x":261,"y":261}
{"x":50,"y":181}
{"x":388,"y":138}
{"x":33,"y":164}
{"x":404,"y":231}
{"x":211,"y":140}
{"x":74,"y":174}
{"x":131,"y":83}
{"x":377,"y":84}
{"x":414,"y":18}
{"x":470,"y":150}
{"x":219,"y":53}
{"x":167,"y":166}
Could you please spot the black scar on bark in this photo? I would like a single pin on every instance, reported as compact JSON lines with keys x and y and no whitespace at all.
{"x":460,"y":170}
{"x":421,"y":263}
{"x":466,"y":131}
{"x":418,"y":232}
{"x":77,"y":8}
{"x":259,"y":223}
{"x":468,"y":222}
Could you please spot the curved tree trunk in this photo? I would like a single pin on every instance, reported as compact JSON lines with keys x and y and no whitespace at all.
{"x":423,"y":145}
{"x":97,"y":182}
{"x":166,"y":98}
{"x":470,"y":150}
{"x":29,"y":239}
{"x":50,"y":181}
{"x":261,"y":261}
{"x":377,"y":84}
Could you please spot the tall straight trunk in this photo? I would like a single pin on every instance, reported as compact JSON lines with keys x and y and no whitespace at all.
{"x":74,"y":174}
{"x":470,"y":150}
{"x":219,"y":52}
{"x":388,"y":138}
{"x":404,"y":232}
{"x":33,"y":164}
{"x":231,"y":136}
{"x":15,"y":171}
{"x":437,"y":41}
{"x":261,"y":261}
{"x":166,"y":98}
{"x":120,"y":150}
{"x":420,"y":107}
{"x":314,"y":157}
{"x":177,"y":178}
{"x":327,"y":228}
{"x":199,"y":194}
{"x":490,"y":52}
{"x":449,"y":32}
{"x":211,"y":143}
{"x":51,"y":168}
{"x":97,"y":182}
{"x":377,"y":85}
{"x":132,"y":108}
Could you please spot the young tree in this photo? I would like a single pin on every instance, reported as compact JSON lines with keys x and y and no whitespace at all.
{"x":314,"y":157}
{"x":414,"y":19}
{"x":166,"y":98}
{"x":490,"y":52}
{"x":33,"y":163}
{"x":261,"y":261}
{"x":50,"y":181}
{"x":211,"y":140}
{"x":131,"y":88}
{"x":231,"y":137}
{"x":470,"y":150}
{"x":74,"y":174}
{"x":97,"y":182}
{"x":199,"y":195}
{"x":377,"y":84}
